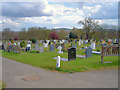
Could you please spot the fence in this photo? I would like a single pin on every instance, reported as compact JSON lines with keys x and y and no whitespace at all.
{"x":109,"y":51}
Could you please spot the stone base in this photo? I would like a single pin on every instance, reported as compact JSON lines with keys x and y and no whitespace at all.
{"x":60,"y":52}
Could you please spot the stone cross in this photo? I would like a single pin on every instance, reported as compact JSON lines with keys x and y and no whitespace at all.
{"x":60,"y":48}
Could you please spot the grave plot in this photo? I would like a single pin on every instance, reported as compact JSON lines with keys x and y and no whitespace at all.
{"x":88,"y":53}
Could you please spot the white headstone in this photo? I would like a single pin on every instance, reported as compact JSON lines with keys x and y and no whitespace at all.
{"x":93,"y":45}
{"x":79,"y":43}
{"x":82,"y":41}
{"x":60,"y":48}
{"x":45,"y":44}
{"x":29,"y":45}
{"x":58,"y":62}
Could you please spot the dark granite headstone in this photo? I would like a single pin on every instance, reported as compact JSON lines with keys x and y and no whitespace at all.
{"x":88,"y":52}
{"x":71,"y":54}
{"x":52,"y":48}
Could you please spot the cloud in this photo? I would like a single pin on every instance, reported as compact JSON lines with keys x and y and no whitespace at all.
{"x":106,"y":11}
{"x":26,"y":9}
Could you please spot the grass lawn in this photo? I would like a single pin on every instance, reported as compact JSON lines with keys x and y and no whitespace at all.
{"x":2,"y":85}
{"x":45,"y":60}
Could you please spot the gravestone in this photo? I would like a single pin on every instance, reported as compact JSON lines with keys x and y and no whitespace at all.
{"x":16,"y":48}
{"x":40,"y":41}
{"x":45,"y":44}
{"x":40,"y":49}
{"x":10,"y":48}
{"x":60,"y":48}
{"x":52,"y":48}
{"x":74,"y":46}
{"x":92,"y":45}
{"x":85,"y":42}
{"x":36,"y":46}
{"x":71,"y":54}
{"x":79,"y":43}
{"x":65,"y":41}
{"x":88,"y":52}
{"x":62,"y":45}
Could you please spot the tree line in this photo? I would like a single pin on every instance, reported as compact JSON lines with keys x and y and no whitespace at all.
{"x":90,"y":30}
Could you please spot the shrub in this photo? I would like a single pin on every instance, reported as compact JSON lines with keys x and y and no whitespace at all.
{"x":23,"y":44}
{"x":34,"y":40}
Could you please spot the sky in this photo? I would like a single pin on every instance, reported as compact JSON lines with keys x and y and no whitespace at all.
{"x":18,"y":15}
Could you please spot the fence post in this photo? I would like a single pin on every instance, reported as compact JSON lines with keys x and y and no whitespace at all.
{"x":102,"y":55}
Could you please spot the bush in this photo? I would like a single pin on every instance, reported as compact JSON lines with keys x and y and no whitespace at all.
{"x":73,"y":35}
{"x":34,"y":40}
{"x":23,"y":44}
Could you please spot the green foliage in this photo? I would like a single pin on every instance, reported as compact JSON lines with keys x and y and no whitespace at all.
{"x":97,"y":39}
{"x":58,"y":69}
{"x":89,"y":26}
{"x":23,"y":44}
{"x":73,"y":35}
{"x":34,"y":40}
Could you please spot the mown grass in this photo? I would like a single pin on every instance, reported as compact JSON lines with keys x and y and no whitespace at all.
{"x":45,"y":60}
{"x":2,"y":85}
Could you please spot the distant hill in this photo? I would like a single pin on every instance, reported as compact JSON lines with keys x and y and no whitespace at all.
{"x":62,"y":28}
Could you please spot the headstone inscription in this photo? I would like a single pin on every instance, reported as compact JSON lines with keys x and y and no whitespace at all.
{"x":52,"y":48}
{"x":88,"y":52}
{"x":71,"y":54}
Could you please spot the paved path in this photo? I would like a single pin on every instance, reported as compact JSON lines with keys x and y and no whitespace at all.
{"x":13,"y":72}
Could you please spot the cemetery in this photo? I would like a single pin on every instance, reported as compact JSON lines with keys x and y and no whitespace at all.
{"x":63,"y":56}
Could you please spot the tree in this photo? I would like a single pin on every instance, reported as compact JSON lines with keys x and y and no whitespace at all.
{"x":89,"y":27}
{"x":72,"y":35}
{"x":8,"y":34}
{"x":53,"y":35}
{"x":62,"y":34}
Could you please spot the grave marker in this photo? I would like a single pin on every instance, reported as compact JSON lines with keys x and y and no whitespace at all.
{"x":71,"y":54}
{"x":52,"y":48}
{"x":88,"y":52}
{"x":60,"y":48}
{"x":40,"y":49}
{"x":74,"y":46}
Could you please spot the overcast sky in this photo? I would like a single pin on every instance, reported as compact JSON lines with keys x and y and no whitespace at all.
{"x":17,"y":15}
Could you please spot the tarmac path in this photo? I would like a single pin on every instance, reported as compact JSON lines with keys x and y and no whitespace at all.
{"x":14,"y":73}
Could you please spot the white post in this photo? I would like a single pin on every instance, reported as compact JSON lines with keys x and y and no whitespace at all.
{"x":58,"y":62}
{"x":94,"y":45}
